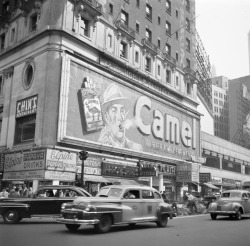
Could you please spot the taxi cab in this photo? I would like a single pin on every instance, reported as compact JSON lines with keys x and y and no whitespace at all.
{"x":117,"y":204}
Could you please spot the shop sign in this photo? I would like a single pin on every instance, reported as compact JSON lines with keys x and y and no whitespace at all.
{"x":167,"y":169}
{"x":31,"y":160}
{"x":228,"y":181}
{"x":21,"y":175}
{"x":187,"y":172}
{"x":109,"y":169}
{"x":92,"y":166}
{"x":26,"y":106}
{"x":216,"y":180}
{"x":57,"y":175}
{"x":58,"y":160}
{"x":1,"y":162}
{"x":205,"y":177}
{"x":197,"y":159}
{"x":147,"y":172}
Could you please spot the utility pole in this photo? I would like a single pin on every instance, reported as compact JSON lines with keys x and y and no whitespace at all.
{"x":83,"y":155}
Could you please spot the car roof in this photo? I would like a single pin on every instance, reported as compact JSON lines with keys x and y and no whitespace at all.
{"x":59,"y":186}
{"x":240,"y":191}
{"x":130,"y":187}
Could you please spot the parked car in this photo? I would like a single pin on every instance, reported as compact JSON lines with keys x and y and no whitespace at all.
{"x":45,"y":202}
{"x":233,"y":203}
{"x":117,"y":204}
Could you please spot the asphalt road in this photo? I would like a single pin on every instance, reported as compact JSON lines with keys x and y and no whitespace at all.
{"x":187,"y":231}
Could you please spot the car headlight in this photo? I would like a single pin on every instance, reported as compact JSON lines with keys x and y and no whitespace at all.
{"x":63,"y":206}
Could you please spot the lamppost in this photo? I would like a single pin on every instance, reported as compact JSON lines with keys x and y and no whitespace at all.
{"x":83,"y":155}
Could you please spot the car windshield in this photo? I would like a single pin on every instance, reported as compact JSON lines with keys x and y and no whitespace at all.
{"x":231,"y":194}
{"x":110,"y":192}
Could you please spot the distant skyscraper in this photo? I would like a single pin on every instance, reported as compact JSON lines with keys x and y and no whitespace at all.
{"x":213,"y":71}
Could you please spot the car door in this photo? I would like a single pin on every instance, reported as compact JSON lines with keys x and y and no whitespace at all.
{"x":132,"y":206}
{"x":42,"y":204}
{"x":149,"y":204}
{"x":246,"y":202}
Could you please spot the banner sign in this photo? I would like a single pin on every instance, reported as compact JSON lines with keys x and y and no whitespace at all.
{"x":187,"y":172}
{"x":109,"y":169}
{"x":27,"y":175}
{"x":205,"y":177}
{"x":55,"y":175}
{"x":58,"y":160}
{"x":32,"y":160}
{"x":147,"y":172}
{"x":26,"y":106}
{"x":1,"y":162}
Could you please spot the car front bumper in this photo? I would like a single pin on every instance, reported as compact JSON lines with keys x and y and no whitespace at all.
{"x":223,"y":212}
{"x":77,"y":221}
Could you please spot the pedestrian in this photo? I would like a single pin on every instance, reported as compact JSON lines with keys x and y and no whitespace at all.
{"x":25,"y":191}
{"x":16,"y":193}
{"x":30,"y":193}
{"x":4,"y":193}
{"x":191,"y":202}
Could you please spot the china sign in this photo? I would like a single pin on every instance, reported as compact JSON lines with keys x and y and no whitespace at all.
{"x":26,"y":106}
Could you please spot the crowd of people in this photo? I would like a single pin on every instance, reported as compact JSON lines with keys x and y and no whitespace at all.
{"x":17,"y":191}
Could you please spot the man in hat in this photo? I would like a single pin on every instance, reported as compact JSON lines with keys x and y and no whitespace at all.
{"x":115,"y":112}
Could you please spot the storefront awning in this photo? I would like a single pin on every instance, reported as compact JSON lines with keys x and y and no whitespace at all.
{"x":211,"y":186}
{"x":122,"y":181}
{"x":95,"y":178}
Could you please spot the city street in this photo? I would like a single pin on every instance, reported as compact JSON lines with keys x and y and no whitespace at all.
{"x":190,"y":230}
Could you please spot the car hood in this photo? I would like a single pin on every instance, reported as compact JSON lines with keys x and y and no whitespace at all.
{"x":95,"y":200}
{"x":224,"y":201}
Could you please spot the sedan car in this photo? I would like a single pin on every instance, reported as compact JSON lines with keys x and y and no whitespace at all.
{"x":117,"y":204}
{"x":233,"y":203}
{"x":45,"y":202}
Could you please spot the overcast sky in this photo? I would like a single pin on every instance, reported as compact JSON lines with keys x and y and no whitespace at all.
{"x":223,"y":26}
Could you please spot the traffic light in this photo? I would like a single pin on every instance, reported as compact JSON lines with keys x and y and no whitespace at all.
{"x":83,"y":155}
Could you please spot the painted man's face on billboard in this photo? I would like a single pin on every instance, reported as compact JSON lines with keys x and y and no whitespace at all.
{"x":115,"y":118}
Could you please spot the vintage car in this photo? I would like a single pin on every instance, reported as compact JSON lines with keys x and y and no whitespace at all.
{"x":45,"y":202}
{"x":233,"y":203}
{"x":117,"y":204}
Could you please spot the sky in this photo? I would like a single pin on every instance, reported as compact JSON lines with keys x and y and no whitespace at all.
{"x":223,"y":27}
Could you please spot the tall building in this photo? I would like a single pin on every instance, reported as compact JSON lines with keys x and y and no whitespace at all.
{"x":249,"y":50}
{"x":221,"y":107}
{"x":116,"y":78}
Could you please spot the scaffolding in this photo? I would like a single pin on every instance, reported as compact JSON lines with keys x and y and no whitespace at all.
{"x":203,"y":72}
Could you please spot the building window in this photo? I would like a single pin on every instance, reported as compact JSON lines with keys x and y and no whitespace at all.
{"x":159,"y":20}
{"x":148,"y":35}
{"x":110,"y":40}
{"x":168,"y":6}
{"x":176,"y":13}
{"x":159,"y":70}
{"x":187,"y":24}
{"x":148,"y":64}
{"x":28,"y":75}
{"x":188,"y":5}
{"x":111,"y":9}
{"x":84,"y":27}
{"x":137,"y":27}
{"x":5,"y":8}
{"x":177,"y":81}
{"x":1,"y":85}
{"x":33,"y":23}
{"x":188,"y":64}
{"x":177,"y":56}
{"x":159,"y":43}
{"x":168,"y":49}
{"x":168,"y":76}
{"x":1,"y":120}
{"x":187,"y":44}
{"x":168,"y":28}
{"x":12,"y":36}
{"x":124,"y":17}
{"x":176,"y":35}
{"x":2,"y":41}
{"x":189,"y":88}
{"x":123,"y":50}
{"x":138,"y":3}
{"x":25,"y":129}
{"x":137,"y":57}
{"x":149,"y":12}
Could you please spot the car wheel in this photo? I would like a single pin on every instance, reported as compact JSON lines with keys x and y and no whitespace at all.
{"x":104,"y":224}
{"x":162,"y":221}
{"x":11,"y":216}
{"x":71,"y":227}
{"x":213,"y":216}
{"x":238,"y":215}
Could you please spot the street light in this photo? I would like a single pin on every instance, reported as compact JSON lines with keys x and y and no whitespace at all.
{"x":83,"y":155}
